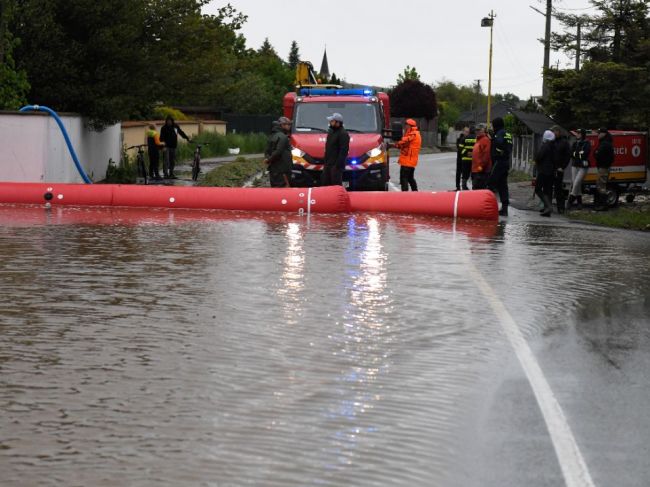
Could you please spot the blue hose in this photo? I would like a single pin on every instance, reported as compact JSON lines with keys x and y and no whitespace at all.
{"x":38,"y":108}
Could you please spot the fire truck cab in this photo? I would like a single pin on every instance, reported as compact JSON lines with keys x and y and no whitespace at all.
{"x":366,"y":117}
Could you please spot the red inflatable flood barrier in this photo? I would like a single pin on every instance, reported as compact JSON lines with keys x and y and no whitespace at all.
{"x":481,"y":205}
{"x":331,"y":199}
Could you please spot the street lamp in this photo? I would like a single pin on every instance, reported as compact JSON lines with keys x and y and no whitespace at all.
{"x":489,"y":22}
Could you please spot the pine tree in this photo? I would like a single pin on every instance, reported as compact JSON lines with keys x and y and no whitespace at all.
{"x":294,"y":55}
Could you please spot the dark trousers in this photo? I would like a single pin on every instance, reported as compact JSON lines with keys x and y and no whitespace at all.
{"x":544,"y":188}
{"x":558,"y":189}
{"x":498,"y":181}
{"x":332,"y":176}
{"x":154,"y":161}
{"x":169,"y":161}
{"x":479,"y":180}
{"x":463,"y":171}
{"x":407,"y":177}
{"x":278,"y":179}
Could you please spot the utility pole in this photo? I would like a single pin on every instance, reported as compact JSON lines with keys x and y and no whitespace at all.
{"x":547,"y":43}
{"x":547,"y":46}
{"x":578,"y":46}
{"x":489,"y":22}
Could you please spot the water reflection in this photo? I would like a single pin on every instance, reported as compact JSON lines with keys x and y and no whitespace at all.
{"x":266,"y":349}
{"x":290,"y":293}
{"x":362,"y":341}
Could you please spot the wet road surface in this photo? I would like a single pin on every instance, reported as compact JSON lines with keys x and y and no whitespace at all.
{"x":203,"y":348}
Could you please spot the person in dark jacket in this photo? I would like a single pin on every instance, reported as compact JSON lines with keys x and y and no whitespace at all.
{"x":579,"y":167}
{"x":278,"y":154}
{"x":460,"y":147}
{"x":170,"y":139}
{"x":562,"y":160}
{"x":500,"y":151}
{"x":337,"y":147}
{"x":545,"y":162}
{"x":604,"y":159}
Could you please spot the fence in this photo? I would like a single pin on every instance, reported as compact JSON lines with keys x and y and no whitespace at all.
{"x":523,"y":152}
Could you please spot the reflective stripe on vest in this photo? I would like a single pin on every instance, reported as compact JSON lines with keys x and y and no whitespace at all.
{"x":467,"y":148}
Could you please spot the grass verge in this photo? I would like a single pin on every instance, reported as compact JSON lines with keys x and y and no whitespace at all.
{"x":233,"y":174}
{"x":123,"y":172}
{"x":628,"y":218}
{"x":516,"y":176}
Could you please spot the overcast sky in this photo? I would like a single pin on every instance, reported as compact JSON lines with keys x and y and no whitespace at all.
{"x":372,"y":41}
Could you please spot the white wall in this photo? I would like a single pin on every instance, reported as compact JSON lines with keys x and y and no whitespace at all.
{"x":32,"y":148}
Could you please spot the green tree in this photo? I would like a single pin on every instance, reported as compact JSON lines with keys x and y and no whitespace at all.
{"x":113,"y":60}
{"x":618,"y":31}
{"x":294,"y":55}
{"x":13,"y":83}
{"x":409,"y":73}
{"x":195,"y":56}
{"x":460,"y":98}
{"x":85,"y":56}
{"x":448,"y":114}
{"x":601,"y":94}
{"x":261,"y":79}
{"x":510,"y":98}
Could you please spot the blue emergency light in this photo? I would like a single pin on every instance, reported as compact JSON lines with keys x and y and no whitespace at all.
{"x":336,"y":92}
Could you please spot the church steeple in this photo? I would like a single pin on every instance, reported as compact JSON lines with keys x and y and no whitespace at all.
{"x":324,"y":67}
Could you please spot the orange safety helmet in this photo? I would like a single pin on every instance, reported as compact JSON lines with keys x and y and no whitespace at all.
{"x":411,"y":122}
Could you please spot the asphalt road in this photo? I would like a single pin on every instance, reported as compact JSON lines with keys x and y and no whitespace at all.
{"x":594,"y":359}
{"x":151,"y":347}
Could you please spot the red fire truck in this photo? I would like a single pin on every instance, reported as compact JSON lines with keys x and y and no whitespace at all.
{"x":366,"y":116}
{"x":630,"y":169}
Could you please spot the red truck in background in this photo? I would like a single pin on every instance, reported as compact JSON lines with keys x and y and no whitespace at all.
{"x":630,"y":169}
{"x":366,"y":116}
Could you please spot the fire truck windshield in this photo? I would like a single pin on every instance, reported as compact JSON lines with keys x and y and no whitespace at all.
{"x":357,"y":117}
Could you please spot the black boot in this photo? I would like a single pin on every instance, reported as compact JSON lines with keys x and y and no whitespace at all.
{"x":600,"y":202}
{"x":579,"y":199}
{"x":504,"y":210}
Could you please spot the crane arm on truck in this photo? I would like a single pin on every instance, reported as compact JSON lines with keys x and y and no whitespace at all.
{"x":306,"y":77}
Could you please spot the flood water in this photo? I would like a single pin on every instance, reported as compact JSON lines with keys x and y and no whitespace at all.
{"x":142,"y":347}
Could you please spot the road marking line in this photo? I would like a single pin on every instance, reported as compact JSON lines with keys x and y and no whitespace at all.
{"x":574,"y":468}
{"x":393,"y":186}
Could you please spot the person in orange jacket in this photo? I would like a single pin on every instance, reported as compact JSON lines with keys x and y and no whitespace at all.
{"x":409,"y":148}
{"x":481,"y":160}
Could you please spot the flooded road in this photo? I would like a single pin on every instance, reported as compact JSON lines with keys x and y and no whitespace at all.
{"x":203,"y":348}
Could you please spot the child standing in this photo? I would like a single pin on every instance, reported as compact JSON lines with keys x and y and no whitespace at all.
{"x":154,"y":145}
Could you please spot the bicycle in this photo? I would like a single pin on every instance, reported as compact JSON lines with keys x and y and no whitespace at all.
{"x":140,"y":165}
{"x":196,"y":162}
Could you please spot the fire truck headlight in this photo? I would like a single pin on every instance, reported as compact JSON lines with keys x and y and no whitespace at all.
{"x":376,"y":152}
{"x":295,"y":152}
